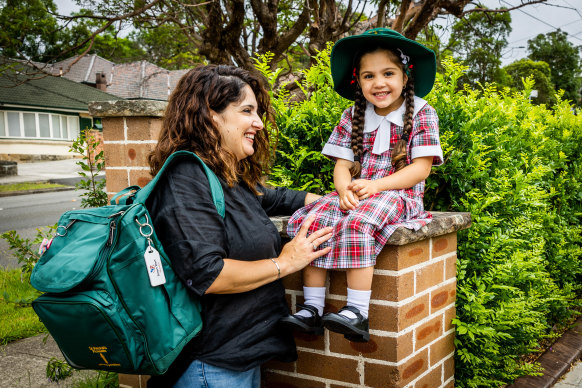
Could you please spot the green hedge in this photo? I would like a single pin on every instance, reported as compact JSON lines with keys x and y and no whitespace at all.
{"x":516,"y":168}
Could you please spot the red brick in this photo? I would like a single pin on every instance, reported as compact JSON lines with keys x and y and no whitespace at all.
{"x":413,"y":312}
{"x":143,"y":128}
{"x":275,"y":380}
{"x":293,"y":281}
{"x":450,"y":384}
{"x":450,"y":314}
{"x":442,"y":348}
{"x":397,"y":257}
{"x":443,"y":296}
{"x":450,"y":267}
{"x":113,"y":129}
{"x":338,"y":284}
{"x":384,"y":376}
{"x":428,"y":332}
{"x":431,"y":380}
{"x":139,"y":177}
{"x":278,"y":365}
{"x":383,"y":317}
{"x":391,"y":349}
{"x":442,"y":245}
{"x":393,"y":288}
{"x":130,"y":155}
{"x":429,"y":275}
{"x":449,"y":368}
{"x":116,"y":180}
{"x":328,"y":367}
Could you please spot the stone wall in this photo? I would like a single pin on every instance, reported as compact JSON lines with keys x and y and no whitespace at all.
{"x":413,"y":295}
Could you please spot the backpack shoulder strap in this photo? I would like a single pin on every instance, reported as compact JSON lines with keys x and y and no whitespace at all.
{"x":215,"y":188}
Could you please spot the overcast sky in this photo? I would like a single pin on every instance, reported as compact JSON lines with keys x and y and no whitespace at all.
{"x":527,"y":22}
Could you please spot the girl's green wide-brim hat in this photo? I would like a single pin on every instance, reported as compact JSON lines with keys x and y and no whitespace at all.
{"x":345,"y":49}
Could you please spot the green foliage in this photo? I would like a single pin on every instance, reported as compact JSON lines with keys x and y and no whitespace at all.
{"x":17,"y":319}
{"x":24,"y":249}
{"x":58,"y":370}
{"x":517,"y":168}
{"x":541,"y":73}
{"x":564,"y":60}
{"x":304,"y":127}
{"x":92,"y":163}
{"x":28,"y":30}
{"x":478,"y":40}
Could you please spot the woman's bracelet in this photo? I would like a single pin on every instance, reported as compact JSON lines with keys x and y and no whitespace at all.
{"x":278,"y":269}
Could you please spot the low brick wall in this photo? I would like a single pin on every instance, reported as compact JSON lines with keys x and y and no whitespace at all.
{"x":413,"y":291}
{"x":412,"y":305}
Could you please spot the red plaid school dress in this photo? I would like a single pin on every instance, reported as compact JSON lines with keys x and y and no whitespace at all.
{"x":360,"y":234}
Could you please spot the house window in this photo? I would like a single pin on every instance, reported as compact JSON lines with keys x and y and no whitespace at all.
{"x":29,"y":120}
{"x":44,"y":125}
{"x":38,"y":125}
{"x":2,"y":124}
{"x":13,"y":124}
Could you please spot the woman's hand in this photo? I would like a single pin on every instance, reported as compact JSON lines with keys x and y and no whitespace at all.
{"x":364,"y":188}
{"x":348,"y":199}
{"x":302,"y":250}
{"x":241,"y":276}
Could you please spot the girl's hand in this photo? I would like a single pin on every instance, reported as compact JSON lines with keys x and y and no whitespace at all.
{"x":364,"y":188}
{"x":302,"y":250}
{"x":348,"y":199}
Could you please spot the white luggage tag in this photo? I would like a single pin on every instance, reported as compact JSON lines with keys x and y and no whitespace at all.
{"x":154,"y":266}
{"x":151,"y":255}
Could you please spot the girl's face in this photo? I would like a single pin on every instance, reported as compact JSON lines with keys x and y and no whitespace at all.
{"x":382,"y":81}
{"x":238,"y":124}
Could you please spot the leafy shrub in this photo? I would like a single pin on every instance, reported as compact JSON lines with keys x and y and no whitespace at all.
{"x":304,"y":127}
{"x":516,"y":168}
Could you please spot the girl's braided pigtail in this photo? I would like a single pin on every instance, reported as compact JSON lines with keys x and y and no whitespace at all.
{"x":358,"y":121}
{"x":399,"y":151}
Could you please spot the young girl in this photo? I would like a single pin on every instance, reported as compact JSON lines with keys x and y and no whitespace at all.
{"x":384,"y":148}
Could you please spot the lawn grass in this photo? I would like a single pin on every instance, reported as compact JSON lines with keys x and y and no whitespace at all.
{"x":26,"y":186}
{"x":17,"y":319}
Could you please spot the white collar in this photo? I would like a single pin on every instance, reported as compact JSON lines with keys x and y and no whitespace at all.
{"x":373,"y":119}
{"x":382,"y":123}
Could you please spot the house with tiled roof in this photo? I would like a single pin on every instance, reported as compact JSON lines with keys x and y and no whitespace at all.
{"x":39,"y":118}
{"x":135,"y":80}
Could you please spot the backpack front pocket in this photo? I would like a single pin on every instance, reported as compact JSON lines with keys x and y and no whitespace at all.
{"x":89,"y":330}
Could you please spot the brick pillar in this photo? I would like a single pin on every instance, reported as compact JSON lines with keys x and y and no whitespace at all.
{"x":130,"y":131}
{"x":413,"y":291}
{"x":412,"y":305}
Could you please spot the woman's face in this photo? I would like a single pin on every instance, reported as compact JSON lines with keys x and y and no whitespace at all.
{"x":239,"y":123}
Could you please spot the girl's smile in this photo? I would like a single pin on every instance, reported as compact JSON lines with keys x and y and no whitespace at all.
{"x":382,"y":81}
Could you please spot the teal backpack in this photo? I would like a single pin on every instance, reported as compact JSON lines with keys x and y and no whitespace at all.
{"x":112,"y":301}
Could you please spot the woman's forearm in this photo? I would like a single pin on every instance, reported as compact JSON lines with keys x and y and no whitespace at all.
{"x":241,"y":276}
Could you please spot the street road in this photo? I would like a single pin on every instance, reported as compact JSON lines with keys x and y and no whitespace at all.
{"x":26,"y":213}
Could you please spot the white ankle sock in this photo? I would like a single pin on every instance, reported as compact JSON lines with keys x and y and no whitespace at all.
{"x":360,"y":300}
{"x":314,"y":296}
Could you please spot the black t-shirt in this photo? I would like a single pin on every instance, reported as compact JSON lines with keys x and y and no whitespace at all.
{"x":239,"y":330}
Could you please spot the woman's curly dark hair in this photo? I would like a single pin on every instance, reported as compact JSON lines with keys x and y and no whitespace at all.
{"x":188,"y":123}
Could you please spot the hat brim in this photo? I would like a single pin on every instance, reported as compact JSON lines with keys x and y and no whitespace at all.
{"x":344,"y":51}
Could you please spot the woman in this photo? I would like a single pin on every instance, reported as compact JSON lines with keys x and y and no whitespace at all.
{"x":233,"y":264}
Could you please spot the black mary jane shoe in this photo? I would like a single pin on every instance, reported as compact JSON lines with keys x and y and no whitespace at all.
{"x":308,"y":325}
{"x":353,"y":329}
